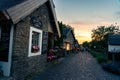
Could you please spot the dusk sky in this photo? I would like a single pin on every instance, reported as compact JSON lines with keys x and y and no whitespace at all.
{"x":85,"y":15}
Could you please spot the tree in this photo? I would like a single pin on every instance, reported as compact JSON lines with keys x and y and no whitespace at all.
{"x":100,"y":35}
{"x":86,"y":44}
{"x":60,"y":40}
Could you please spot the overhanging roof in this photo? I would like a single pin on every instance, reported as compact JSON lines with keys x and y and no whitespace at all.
{"x":52,"y":6}
{"x":19,"y":9}
{"x":5,"y":4}
{"x":23,"y":9}
{"x":114,"y":40}
{"x":67,"y":31}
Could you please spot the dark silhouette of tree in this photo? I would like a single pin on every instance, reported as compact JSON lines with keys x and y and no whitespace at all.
{"x":100,"y":36}
{"x":59,"y":41}
{"x":86,"y":44}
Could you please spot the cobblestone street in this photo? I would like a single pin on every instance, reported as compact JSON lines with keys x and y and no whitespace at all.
{"x":80,"y":66}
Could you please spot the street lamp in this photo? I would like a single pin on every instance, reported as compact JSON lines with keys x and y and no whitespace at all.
{"x":67,"y":47}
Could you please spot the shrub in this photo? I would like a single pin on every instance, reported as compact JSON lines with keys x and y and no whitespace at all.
{"x":101,"y":59}
{"x":93,"y":53}
{"x":99,"y":56}
{"x":112,"y":67}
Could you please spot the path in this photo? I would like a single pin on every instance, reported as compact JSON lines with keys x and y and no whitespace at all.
{"x":81,"y":66}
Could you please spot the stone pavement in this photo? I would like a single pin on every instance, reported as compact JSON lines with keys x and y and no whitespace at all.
{"x":81,"y":66}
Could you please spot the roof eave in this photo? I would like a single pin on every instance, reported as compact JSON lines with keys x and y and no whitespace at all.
{"x":16,"y":13}
{"x":52,"y":6}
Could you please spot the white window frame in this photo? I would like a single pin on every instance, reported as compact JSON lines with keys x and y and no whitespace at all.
{"x":30,"y":42}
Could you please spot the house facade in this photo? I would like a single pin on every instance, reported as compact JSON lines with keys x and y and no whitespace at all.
{"x":26,"y":29}
{"x":114,"y":43}
{"x":114,"y":47}
{"x":69,"y":38}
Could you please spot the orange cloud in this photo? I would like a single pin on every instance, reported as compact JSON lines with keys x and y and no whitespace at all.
{"x":82,"y":32}
{"x":83,"y":29}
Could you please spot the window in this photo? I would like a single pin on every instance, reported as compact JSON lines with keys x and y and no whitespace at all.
{"x":35,"y":42}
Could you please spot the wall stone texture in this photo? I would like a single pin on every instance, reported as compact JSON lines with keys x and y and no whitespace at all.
{"x":22,"y":65}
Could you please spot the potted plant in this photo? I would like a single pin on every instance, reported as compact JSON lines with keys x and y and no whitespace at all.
{"x":35,"y":48}
{"x":51,"y":55}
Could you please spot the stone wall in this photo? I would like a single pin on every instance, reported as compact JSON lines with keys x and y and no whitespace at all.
{"x":22,"y":65}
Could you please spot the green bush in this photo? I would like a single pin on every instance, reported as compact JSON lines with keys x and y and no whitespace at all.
{"x":94,"y":54}
{"x":101,"y":59}
{"x":99,"y":56}
{"x":1,"y":72}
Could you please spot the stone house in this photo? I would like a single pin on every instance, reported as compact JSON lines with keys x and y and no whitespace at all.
{"x":69,"y":38}
{"x":114,"y":47}
{"x":27,"y":30}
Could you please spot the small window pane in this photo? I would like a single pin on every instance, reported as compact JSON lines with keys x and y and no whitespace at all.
{"x":35,"y":42}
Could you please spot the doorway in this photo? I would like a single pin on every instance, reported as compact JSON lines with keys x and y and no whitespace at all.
{"x":6,"y":39}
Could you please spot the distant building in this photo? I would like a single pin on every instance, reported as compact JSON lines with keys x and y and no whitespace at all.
{"x":69,"y":38}
{"x":114,"y":43}
{"x":27,"y":30}
{"x":114,"y":47}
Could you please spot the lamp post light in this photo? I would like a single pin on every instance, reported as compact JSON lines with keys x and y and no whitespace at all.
{"x":67,"y":47}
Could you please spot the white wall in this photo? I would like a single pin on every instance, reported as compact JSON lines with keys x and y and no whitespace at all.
{"x":114,"y":48}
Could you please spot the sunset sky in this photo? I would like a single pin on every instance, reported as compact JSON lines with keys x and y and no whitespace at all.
{"x":85,"y":15}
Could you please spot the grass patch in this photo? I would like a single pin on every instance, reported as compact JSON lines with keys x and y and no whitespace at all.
{"x":94,"y":54}
{"x":30,"y":76}
{"x":101,"y":58}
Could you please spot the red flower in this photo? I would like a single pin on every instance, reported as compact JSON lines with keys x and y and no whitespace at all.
{"x":35,"y":48}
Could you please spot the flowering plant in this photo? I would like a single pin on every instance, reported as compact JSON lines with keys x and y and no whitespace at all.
{"x":35,"y":48}
{"x":51,"y":55}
